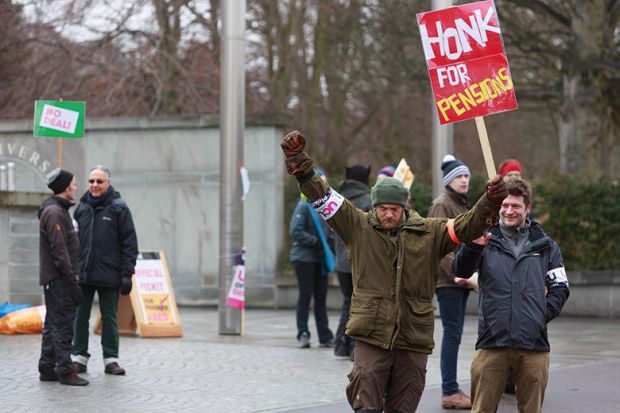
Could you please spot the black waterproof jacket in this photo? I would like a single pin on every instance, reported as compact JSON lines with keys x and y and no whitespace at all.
{"x":58,"y":242}
{"x":518,"y":295}
{"x":358,"y":194}
{"x":108,"y":241}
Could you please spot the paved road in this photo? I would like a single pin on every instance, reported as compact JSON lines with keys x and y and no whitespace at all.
{"x":264,"y":371}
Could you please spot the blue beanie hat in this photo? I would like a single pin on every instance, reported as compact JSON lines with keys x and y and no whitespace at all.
{"x":452,"y":168}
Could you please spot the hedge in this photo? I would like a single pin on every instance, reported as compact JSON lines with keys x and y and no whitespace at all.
{"x":582,"y":215}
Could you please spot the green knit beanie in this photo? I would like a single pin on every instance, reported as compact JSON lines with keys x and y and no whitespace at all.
{"x":389,"y":191}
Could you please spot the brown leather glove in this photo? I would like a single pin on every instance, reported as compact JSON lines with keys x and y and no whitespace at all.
{"x":293,"y":144}
{"x":299,"y":165}
{"x":496,"y":190}
{"x":298,"y":162}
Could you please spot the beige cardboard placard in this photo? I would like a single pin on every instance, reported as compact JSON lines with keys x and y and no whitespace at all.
{"x":151,"y":307}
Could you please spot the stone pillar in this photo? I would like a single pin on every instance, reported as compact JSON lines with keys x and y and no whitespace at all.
{"x":19,"y":259}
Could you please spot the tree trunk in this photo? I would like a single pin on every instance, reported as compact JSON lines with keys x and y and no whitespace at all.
{"x":582,"y":111}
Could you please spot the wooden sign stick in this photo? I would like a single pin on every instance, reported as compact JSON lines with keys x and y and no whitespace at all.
{"x":59,"y":149}
{"x":486,"y":147}
{"x":59,"y":152}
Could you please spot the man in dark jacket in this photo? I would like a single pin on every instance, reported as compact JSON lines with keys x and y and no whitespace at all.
{"x":523,"y":286}
{"x":58,"y":274}
{"x":394,"y":254}
{"x":108,"y":252}
{"x":355,"y":188}
{"x":452,"y":291}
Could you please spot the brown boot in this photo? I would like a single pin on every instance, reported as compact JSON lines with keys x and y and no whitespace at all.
{"x":79,"y":367}
{"x":456,"y":401}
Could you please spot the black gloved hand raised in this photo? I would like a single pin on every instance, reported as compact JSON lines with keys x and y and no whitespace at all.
{"x":496,"y":190}
{"x":126,"y":285}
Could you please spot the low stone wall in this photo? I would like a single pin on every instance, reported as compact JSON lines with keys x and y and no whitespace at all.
{"x":593,"y":294}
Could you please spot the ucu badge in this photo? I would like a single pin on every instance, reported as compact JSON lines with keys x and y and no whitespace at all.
{"x":328,"y":205}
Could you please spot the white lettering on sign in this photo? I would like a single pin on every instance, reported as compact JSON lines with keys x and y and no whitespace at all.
{"x":461,"y":32}
{"x":453,"y":74}
{"x":60,"y":119}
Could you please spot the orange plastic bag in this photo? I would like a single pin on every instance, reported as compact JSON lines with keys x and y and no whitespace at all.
{"x":26,"y":321}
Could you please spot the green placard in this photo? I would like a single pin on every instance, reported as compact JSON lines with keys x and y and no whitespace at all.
{"x":59,"y":119}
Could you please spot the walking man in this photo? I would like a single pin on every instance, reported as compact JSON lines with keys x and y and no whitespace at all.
{"x":452,"y":291}
{"x":394,"y":257}
{"x":58,"y":274}
{"x":108,"y":252}
{"x":523,"y":286}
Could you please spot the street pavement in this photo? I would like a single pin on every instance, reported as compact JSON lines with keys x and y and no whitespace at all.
{"x":264,"y":371}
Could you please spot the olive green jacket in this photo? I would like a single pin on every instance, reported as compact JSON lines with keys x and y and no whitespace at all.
{"x":394,"y":271}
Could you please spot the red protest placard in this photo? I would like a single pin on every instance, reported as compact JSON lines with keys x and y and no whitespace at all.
{"x":466,"y":61}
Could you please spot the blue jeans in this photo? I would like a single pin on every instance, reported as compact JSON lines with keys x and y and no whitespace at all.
{"x":452,"y":305}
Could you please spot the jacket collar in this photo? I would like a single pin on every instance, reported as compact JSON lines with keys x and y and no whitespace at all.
{"x":110,"y":195}
{"x":537,"y":236}
{"x":460,"y":199}
{"x":54,"y":200}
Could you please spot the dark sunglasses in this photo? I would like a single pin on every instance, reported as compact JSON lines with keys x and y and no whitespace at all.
{"x":99,"y":181}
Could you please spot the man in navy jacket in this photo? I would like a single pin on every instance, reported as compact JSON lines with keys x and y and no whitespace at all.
{"x":523,"y":286}
{"x":108,"y":252}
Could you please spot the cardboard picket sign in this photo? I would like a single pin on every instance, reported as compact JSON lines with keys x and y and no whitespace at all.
{"x":404,"y":174}
{"x":466,"y":60}
{"x":467,"y":66}
{"x":58,"y":119}
{"x":151,"y":307}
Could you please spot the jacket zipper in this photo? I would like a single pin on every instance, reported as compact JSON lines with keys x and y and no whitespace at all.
{"x":90,"y":250}
{"x":397,"y":287}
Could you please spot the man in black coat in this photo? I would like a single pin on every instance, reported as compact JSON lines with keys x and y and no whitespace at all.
{"x":108,"y":252}
{"x":58,"y":274}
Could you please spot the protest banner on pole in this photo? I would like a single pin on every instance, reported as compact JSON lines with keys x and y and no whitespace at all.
{"x":58,"y":119}
{"x":467,"y":66}
{"x":236,"y":293}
